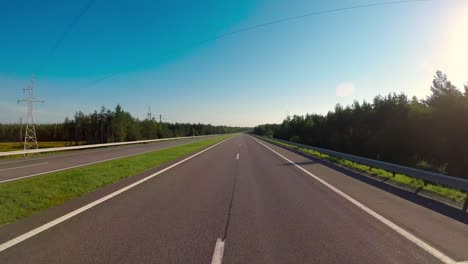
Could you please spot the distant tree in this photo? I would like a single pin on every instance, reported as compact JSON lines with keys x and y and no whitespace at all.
{"x":429,"y":134}
{"x":443,"y":91}
{"x":108,"y":125}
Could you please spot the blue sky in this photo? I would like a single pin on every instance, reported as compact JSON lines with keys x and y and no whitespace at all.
{"x":153,"y":53}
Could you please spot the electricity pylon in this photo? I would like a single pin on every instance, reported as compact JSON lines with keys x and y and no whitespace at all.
{"x":149,"y":116}
{"x":30,"y":139}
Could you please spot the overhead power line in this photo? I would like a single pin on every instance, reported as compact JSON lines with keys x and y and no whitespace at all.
{"x":66,"y":31}
{"x":30,"y":139}
{"x":335,"y":10}
{"x":315,"y":14}
{"x":70,"y":26}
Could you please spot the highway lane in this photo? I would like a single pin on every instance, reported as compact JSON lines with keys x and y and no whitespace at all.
{"x":265,"y":209}
{"x":444,"y":227}
{"x":18,"y":168}
{"x":280,"y":215}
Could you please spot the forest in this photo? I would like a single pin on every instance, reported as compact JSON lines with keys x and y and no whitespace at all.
{"x":430,"y":133}
{"x":108,"y":126}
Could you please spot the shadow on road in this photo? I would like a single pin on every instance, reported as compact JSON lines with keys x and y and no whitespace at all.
{"x":449,"y":211}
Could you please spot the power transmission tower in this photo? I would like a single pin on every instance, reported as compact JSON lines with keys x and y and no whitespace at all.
{"x":30,"y":139}
{"x":149,"y":116}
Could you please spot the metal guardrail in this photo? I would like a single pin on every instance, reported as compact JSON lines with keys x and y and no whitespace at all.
{"x":34,"y":151}
{"x":426,"y":176}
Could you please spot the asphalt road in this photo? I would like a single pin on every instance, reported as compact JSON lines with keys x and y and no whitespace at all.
{"x":18,"y":168}
{"x":263,"y":208}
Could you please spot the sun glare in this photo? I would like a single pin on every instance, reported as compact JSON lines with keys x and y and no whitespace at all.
{"x":454,"y":56}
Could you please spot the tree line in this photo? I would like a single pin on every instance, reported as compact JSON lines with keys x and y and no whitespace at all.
{"x":430,"y":133}
{"x":106,"y":126}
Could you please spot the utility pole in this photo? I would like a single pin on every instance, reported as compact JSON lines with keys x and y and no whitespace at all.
{"x":160,"y":118}
{"x":21,"y":130}
{"x":30,"y":139}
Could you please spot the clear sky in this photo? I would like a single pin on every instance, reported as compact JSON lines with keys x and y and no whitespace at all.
{"x":153,"y":53}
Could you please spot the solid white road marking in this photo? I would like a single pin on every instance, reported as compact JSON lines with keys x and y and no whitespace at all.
{"x":86,"y":151}
{"x":80,"y":152}
{"x":218,"y":252}
{"x":42,"y":150}
{"x":25,"y":166}
{"x":426,"y":247}
{"x":237,"y":156}
{"x":89,"y":163}
{"x":63,"y":218}
{"x":90,"y":151}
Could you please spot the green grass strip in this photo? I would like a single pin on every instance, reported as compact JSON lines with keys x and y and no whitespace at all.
{"x":23,"y":198}
{"x":11,"y":146}
{"x":450,"y":193}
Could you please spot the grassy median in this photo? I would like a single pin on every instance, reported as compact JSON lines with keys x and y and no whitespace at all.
{"x":22,"y":198}
{"x":447,"y":192}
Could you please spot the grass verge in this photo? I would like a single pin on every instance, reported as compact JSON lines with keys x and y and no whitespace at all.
{"x":11,"y":146}
{"x":23,"y":198}
{"x":447,"y":192}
